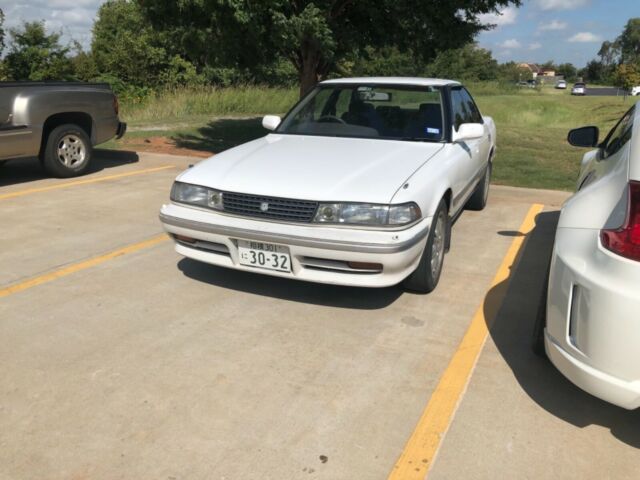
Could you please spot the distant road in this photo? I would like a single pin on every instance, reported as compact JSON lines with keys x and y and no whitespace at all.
{"x":604,"y":91}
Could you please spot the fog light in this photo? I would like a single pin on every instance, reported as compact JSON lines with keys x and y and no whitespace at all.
{"x":365,"y":266}
{"x":182,"y":238}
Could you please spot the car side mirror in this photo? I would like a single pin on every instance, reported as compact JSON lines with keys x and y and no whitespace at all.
{"x":271,"y":122}
{"x":584,"y":137}
{"x":468,"y":131}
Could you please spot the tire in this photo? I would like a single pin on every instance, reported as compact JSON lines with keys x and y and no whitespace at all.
{"x":425,"y":278}
{"x":479,"y":198}
{"x":537,"y":340}
{"x":67,"y":151}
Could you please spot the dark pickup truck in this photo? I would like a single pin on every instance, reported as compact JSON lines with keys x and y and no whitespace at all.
{"x":58,"y":122}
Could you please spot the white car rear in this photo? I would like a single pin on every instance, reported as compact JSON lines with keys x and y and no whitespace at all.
{"x":592,"y":331}
{"x":635,"y":91}
{"x":579,"y":89}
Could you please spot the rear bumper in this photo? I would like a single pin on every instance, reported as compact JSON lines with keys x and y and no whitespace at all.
{"x":318,"y":254}
{"x":593,"y":327}
{"x":611,"y":389}
{"x":121,"y":130}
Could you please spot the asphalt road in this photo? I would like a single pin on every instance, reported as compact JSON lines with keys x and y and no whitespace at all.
{"x":119,"y":359}
{"x":604,"y":92}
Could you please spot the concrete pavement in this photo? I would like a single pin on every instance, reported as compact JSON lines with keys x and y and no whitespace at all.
{"x":147,"y":365}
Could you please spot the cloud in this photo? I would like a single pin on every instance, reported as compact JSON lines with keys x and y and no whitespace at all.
{"x":552,"y":25}
{"x":506,"y":16}
{"x":73,"y":18}
{"x":584,"y":37}
{"x":535,"y":46}
{"x":511,"y":43}
{"x":560,"y":4}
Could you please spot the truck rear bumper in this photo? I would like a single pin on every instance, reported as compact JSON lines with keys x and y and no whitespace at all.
{"x":122,"y":128}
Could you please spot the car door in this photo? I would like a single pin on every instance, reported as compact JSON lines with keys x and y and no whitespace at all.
{"x":599,"y":163}
{"x":472,"y":154}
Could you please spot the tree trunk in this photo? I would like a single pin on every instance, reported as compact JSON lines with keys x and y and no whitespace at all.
{"x":308,"y":69}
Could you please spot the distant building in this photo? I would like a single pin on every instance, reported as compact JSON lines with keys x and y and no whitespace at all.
{"x":532,"y":67}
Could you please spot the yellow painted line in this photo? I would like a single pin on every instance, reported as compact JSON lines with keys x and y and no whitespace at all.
{"x":420,"y":451}
{"x":29,"y":191}
{"x":76,"y":267}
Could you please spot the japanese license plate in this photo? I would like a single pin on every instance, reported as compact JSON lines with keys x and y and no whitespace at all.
{"x":264,"y":255}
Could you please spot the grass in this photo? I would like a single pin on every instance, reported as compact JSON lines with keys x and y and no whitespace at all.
{"x":532,"y":125}
{"x":532,"y":131}
{"x":185,"y":104}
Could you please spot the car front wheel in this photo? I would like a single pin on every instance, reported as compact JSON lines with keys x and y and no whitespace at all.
{"x":425,"y":278}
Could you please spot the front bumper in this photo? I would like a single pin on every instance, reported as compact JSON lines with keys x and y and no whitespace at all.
{"x":121,"y":130}
{"x":318,"y":253}
{"x":593,"y":326}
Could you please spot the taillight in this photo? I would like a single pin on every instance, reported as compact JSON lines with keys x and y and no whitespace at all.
{"x":116,"y":104}
{"x":625,"y":241}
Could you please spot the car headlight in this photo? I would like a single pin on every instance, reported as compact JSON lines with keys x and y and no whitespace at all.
{"x":196,"y":195}
{"x":367,"y":214}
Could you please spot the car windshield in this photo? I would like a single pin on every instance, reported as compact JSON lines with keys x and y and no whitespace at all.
{"x":391,"y":112}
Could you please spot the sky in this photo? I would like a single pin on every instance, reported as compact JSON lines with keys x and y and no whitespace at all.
{"x":540,"y":30}
{"x":559,"y":30}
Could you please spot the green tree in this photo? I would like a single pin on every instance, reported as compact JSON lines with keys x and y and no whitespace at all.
{"x":1,"y":31}
{"x":84,"y":65}
{"x":315,"y":35}
{"x":126,"y":47}
{"x":567,"y":70}
{"x":629,"y":42}
{"x":594,"y":72}
{"x":513,"y":72}
{"x":3,"y":68}
{"x":627,"y":76}
{"x":36,"y":55}
{"x":470,"y":63}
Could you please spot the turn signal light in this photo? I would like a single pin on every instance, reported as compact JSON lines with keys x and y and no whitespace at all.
{"x":625,"y":241}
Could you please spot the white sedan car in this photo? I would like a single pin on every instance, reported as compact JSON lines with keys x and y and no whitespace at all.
{"x":592,"y":327}
{"x":635,"y":91}
{"x":579,"y":89}
{"x":358,"y":185}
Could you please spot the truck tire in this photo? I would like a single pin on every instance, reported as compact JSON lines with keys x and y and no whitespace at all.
{"x":67,"y":151}
{"x":479,"y":198}
{"x":425,"y":278}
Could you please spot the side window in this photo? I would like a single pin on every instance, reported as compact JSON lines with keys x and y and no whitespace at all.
{"x":476,"y":117}
{"x":619,"y":135}
{"x":464,"y":108}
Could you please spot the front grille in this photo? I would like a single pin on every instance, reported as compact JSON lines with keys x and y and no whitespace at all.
{"x":278,"y":208}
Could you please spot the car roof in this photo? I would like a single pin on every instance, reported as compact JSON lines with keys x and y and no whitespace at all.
{"x":418,"y":81}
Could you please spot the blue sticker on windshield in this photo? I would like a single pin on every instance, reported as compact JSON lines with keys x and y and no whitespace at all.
{"x":433,"y":130}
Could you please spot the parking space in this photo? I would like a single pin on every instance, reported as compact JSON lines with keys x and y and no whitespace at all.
{"x":122,"y":360}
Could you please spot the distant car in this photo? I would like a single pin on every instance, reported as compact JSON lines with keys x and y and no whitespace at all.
{"x":561,"y":84}
{"x":522,"y":84}
{"x":358,"y":185}
{"x":589,"y":320}
{"x":579,"y":89}
{"x":532,"y":83}
{"x":635,"y":91}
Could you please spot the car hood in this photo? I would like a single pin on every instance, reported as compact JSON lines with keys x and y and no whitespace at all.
{"x":314,"y":168}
